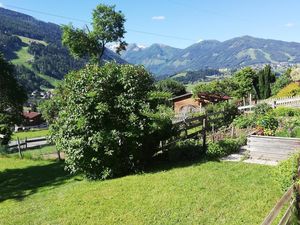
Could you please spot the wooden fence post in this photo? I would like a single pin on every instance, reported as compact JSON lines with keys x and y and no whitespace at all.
{"x":58,"y":154}
{"x":204,"y":133}
{"x":19,"y":149}
{"x":185,"y":130}
{"x":297,"y":188}
{"x":213,"y":132}
{"x":232,"y":132}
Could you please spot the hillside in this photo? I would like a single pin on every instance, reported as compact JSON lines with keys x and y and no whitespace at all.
{"x":35,"y":48}
{"x":233,"y":53}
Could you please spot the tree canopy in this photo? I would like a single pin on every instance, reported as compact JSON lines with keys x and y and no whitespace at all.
{"x":107,"y":119}
{"x":108,"y":26}
{"x":169,"y":85}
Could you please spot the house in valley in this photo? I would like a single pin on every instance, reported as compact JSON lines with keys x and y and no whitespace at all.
{"x":188,"y":103}
{"x":31,"y":120}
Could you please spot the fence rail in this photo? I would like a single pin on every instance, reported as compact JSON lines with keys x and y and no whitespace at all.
{"x":287,"y":197}
{"x":187,"y":128}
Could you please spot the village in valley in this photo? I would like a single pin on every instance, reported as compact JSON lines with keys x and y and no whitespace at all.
{"x":100,"y":123}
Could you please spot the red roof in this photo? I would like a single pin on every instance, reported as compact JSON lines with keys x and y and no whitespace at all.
{"x":31,"y":115}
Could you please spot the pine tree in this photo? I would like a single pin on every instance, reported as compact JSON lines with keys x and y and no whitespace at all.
{"x":267,"y":79}
{"x":261,"y":84}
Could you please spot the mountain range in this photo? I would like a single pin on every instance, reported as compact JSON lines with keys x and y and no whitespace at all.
{"x":41,"y":61}
{"x":36,"y":50}
{"x":233,"y":53}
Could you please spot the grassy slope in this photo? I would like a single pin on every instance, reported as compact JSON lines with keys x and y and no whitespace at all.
{"x":291,"y":89}
{"x":30,"y":134}
{"x":24,"y":57}
{"x":40,"y":192}
{"x":27,"y":40}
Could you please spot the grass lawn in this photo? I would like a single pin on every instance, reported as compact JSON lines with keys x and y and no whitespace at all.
{"x":30,"y":134}
{"x":40,"y":192}
{"x":35,"y":153}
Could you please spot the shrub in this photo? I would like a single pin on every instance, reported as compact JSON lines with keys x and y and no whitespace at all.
{"x":262,"y":109}
{"x":185,"y":150}
{"x":108,"y":123}
{"x":230,"y":111}
{"x":286,"y":172}
{"x":245,"y":121}
{"x":268,"y":123}
{"x":286,"y":112}
{"x":224,"y":147}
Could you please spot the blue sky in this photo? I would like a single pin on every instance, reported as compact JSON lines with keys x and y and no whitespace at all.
{"x":183,"y":21}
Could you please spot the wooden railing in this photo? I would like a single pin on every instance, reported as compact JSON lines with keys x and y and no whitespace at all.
{"x":289,"y":198}
{"x":194,"y":128}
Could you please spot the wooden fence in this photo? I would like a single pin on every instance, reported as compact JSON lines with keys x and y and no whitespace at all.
{"x":291,"y":199}
{"x":195,"y":128}
{"x":22,"y":145}
{"x":272,"y":148}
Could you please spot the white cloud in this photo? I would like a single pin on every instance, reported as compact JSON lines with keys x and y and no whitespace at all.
{"x":1,"y":5}
{"x":200,"y":40}
{"x":289,"y":24}
{"x":158,"y":17}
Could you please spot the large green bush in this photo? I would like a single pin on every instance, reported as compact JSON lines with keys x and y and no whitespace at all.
{"x":245,"y":121}
{"x":185,"y":150}
{"x":108,"y":122}
{"x":268,"y":123}
{"x":262,"y":109}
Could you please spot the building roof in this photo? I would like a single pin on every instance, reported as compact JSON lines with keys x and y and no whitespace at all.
{"x":31,"y":115}
{"x":181,"y":97}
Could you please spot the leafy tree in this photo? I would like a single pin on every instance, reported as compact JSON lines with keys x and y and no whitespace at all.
{"x":172,"y":86}
{"x":108,"y":26}
{"x":12,"y":97}
{"x":244,"y":80}
{"x":223,"y":87}
{"x":108,"y":120}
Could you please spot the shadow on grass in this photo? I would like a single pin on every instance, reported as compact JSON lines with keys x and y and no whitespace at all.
{"x":22,"y":182}
{"x":158,"y":165}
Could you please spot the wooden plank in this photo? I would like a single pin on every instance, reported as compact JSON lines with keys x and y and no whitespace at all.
{"x":283,"y":143}
{"x":191,"y":126}
{"x":200,"y":118}
{"x":271,"y":150}
{"x":36,"y":140}
{"x":192,"y":135}
{"x":274,"y":212}
{"x":273,"y":140}
{"x":273,"y":137}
